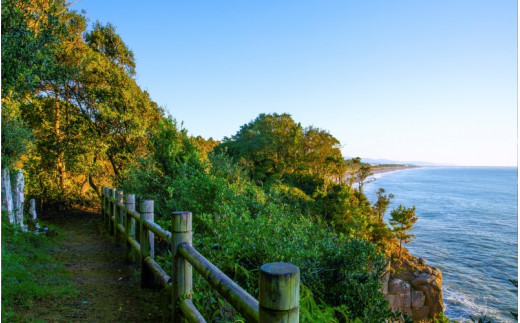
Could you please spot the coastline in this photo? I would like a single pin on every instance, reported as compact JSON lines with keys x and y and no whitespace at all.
{"x":378,"y":170}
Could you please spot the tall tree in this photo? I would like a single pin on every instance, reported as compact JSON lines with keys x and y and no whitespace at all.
{"x":268,"y":146}
{"x":402,"y":221}
{"x":383,"y":200}
{"x":31,"y":33}
{"x":81,"y":100}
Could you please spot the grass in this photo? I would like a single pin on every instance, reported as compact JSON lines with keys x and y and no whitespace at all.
{"x":30,"y":273}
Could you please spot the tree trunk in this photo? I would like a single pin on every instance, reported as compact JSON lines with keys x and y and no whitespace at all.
{"x":7,"y":195}
{"x":114,"y":167}
{"x":61,"y":153}
{"x":94,"y":187}
{"x":18,"y":198}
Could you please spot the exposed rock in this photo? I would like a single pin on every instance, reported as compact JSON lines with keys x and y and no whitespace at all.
{"x":433,"y":298}
{"x":422,"y":279}
{"x":418,"y":299}
{"x":415,"y":289}
{"x":18,"y":198}
{"x":407,"y":300}
{"x":391,"y":301}
{"x":7,"y":195}
{"x":397,"y":286}
{"x":420,"y":313}
{"x":32,"y":222}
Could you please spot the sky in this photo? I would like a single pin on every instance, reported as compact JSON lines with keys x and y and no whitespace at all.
{"x":432,"y":81}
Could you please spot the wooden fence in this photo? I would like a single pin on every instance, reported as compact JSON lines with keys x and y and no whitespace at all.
{"x":279,"y":283}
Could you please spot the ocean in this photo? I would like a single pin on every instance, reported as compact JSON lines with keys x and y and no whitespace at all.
{"x":467,"y":227}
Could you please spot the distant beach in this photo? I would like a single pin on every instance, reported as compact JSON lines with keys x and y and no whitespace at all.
{"x":377,"y":169}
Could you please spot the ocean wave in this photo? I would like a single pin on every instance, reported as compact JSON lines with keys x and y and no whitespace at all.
{"x":460,"y":306}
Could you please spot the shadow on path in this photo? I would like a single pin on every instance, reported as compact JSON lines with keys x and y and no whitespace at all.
{"x":108,"y":285}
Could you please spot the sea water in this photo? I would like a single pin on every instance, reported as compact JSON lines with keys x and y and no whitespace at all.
{"x":467,"y":227}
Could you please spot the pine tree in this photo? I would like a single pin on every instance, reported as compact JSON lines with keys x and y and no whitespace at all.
{"x":402,"y":220}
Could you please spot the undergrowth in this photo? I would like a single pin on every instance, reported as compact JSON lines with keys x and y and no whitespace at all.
{"x":29,"y":272}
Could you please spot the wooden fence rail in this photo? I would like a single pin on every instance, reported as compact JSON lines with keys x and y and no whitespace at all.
{"x":279,"y":283}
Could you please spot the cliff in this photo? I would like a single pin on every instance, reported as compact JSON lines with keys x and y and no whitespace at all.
{"x":414,"y":288}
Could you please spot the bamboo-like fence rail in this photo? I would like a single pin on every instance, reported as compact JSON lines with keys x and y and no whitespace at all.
{"x":279,"y":283}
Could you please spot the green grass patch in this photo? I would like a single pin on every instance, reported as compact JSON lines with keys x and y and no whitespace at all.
{"x":30,"y":272}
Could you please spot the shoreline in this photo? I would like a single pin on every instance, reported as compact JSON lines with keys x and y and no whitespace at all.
{"x":378,"y":170}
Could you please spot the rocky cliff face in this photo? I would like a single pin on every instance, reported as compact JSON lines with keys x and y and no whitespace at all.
{"x":414,"y":288}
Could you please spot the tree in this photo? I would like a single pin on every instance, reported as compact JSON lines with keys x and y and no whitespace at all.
{"x":274,"y":148}
{"x":382,"y":203}
{"x":75,"y":91}
{"x":402,"y":220}
{"x":359,"y":172}
{"x":268,"y":146}
{"x":30,"y":38}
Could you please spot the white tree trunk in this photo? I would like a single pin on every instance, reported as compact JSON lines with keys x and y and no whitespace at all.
{"x":32,"y":209}
{"x":18,"y":198}
{"x":32,"y":222}
{"x":7,"y":197}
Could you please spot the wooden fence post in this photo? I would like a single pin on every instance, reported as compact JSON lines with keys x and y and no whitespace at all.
{"x":147,"y":243}
{"x":181,"y":269}
{"x":117,"y":216}
{"x":112,"y":194}
{"x":129,"y":226}
{"x":279,"y":294}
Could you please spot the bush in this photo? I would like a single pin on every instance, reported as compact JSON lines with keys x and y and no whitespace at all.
{"x":239,"y":227}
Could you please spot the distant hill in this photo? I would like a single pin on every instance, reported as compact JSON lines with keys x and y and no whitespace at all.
{"x":399,"y":162}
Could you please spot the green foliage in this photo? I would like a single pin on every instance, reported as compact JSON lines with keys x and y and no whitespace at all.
{"x":75,"y":91}
{"x":441,"y":318}
{"x":275,"y":148}
{"x":383,"y":200}
{"x":15,"y":138}
{"x":29,"y":272}
{"x":341,"y":271}
{"x":30,"y":38}
{"x":402,"y":220}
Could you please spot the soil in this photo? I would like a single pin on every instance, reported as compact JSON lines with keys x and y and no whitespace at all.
{"x":108,"y":285}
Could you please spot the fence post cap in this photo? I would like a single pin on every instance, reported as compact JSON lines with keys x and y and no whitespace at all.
{"x":181,"y":221}
{"x":130,"y":199}
{"x":146,"y":206}
{"x":279,"y":286}
{"x":279,"y":268}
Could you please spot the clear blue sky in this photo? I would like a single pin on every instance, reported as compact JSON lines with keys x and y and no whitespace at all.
{"x":405,"y":80}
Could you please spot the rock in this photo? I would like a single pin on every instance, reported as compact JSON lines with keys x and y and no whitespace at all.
{"x":417,"y":299}
{"x":18,"y":198}
{"x":407,"y":300}
{"x":391,"y":301}
{"x":420,"y":313}
{"x":416,"y":273}
{"x":420,"y":261}
{"x":433,"y":298}
{"x":422,"y":279}
{"x":436,"y":283}
{"x":428,"y":270}
{"x":398,"y":286}
{"x":7,"y":195}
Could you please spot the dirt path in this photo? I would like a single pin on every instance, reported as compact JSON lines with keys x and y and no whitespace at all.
{"x":109,"y":286}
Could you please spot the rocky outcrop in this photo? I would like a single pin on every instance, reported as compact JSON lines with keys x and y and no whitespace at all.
{"x":415,"y":289}
{"x":7,"y":195}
